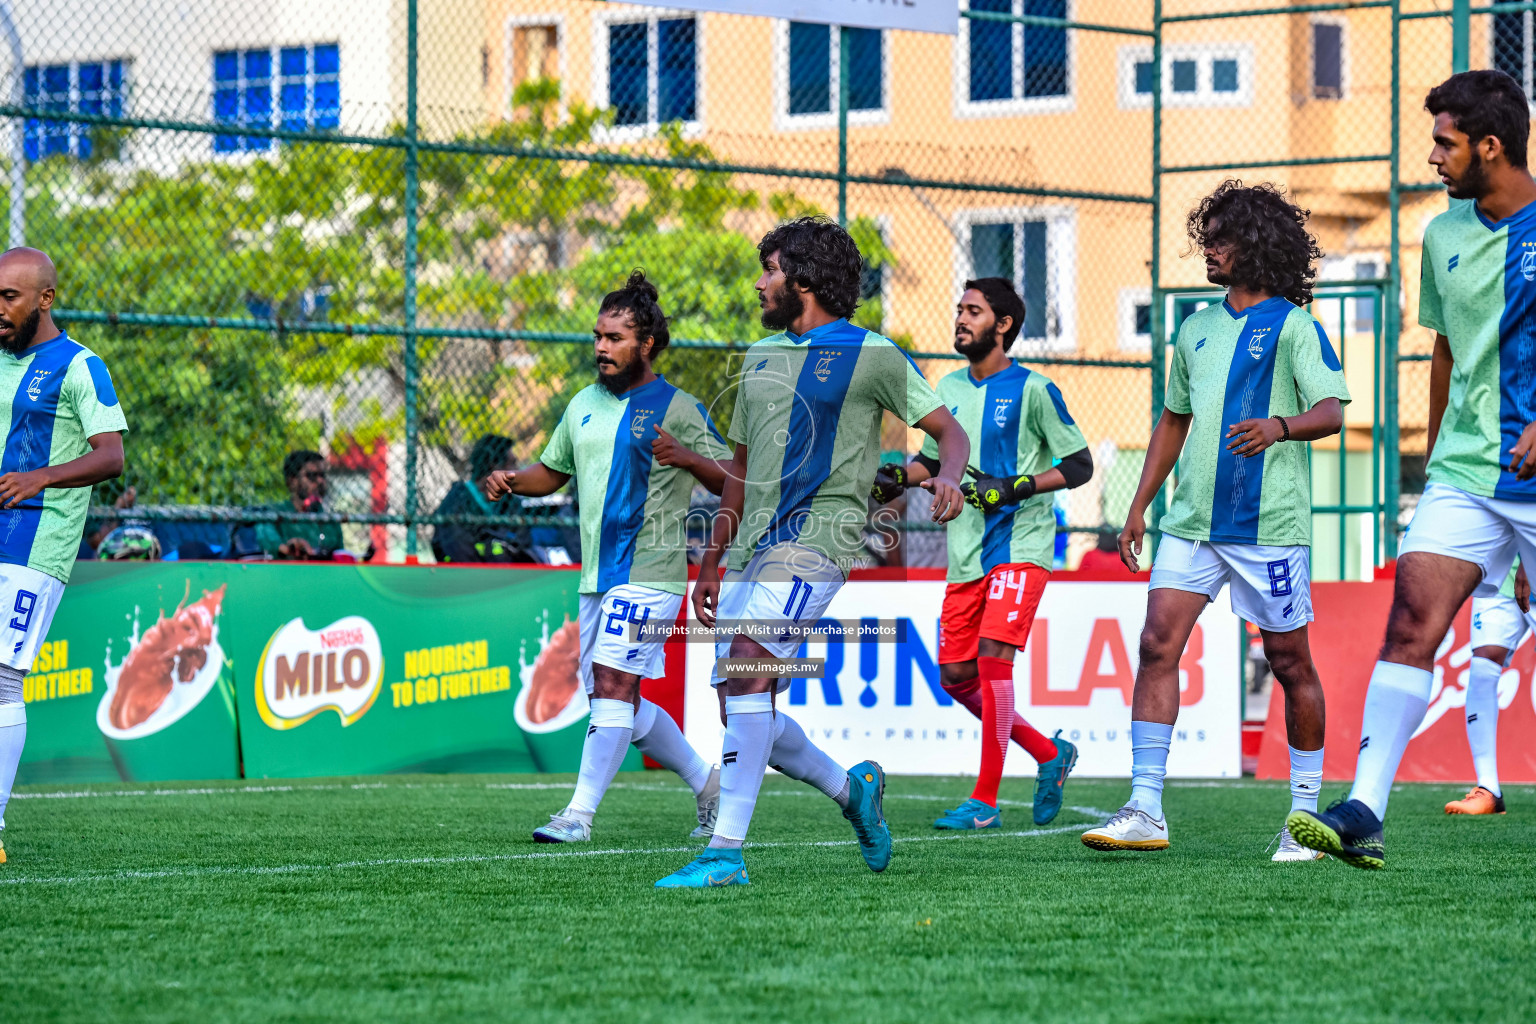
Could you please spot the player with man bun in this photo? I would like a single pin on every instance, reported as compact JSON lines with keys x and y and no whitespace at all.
{"x":635,"y":444}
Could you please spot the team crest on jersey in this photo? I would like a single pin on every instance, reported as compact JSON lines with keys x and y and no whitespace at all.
{"x":1528,"y":260}
{"x":1000,"y":410}
{"x":824,"y":367}
{"x":1256,"y":342}
{"x":35,"y":385}
{"x":637,"y":422}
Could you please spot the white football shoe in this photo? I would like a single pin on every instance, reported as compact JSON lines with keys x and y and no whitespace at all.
{"x":709,"y":806}
{"x":1130,"y":828}
{"x":563,"y":830}
{"x":1288,"y":849}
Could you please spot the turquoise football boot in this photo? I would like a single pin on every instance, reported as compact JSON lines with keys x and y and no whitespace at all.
{"x":706,"y":871}
{"x":866,"y":811}
{"x":970,"y":815}
{"x":1050,"y":780}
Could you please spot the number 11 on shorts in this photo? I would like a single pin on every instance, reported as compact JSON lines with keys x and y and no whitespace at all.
{"x":800,"y":590}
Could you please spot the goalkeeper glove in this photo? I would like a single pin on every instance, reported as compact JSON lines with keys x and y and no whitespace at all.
{"x":890,"y":482}
{"x":990,"y":493}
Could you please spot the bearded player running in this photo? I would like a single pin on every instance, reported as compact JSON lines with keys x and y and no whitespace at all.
{"x":1252,"y":378}
{"x":66,"y":434}
{"x":1000,"y":550}
{"x":1479,"y":511}
{"x":635,"y":444}
{"x":807,"y":433}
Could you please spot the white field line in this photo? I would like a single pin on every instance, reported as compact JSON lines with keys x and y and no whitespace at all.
{"x":391,"y":862}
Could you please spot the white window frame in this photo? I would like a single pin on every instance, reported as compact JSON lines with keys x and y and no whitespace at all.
{"x":1343,"y":270}
{"x":1125,"y":319}
{"x":517,"y":21}
{"x":1343,"y":26}
{"x":1204,"y":55}
{"x":1021,"y":105}
{"x":602,"y":21}
{"x":783,"y":120}
{"x":1060,"y":268}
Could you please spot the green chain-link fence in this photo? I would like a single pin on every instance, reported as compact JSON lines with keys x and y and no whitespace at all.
{"x":380,"y":231}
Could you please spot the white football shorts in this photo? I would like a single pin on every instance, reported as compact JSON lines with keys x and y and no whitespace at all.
{"x":28,"y":599}
{"x":1271,"y":585}
{"x":1498,"y":622}
{"x":786,"y":584}
{"x":1488,"y":532}
{"x":608,"y":630}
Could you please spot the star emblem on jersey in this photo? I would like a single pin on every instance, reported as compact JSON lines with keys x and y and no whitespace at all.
{"x":1000,"y":410}
{"x":1528,"y":260}
{"x":824,"y":367}
{"x":35,"y":385}
{"x":637,"y":422}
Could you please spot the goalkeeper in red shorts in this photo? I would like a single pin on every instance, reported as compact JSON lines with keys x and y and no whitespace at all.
{"x":1000,"y":548}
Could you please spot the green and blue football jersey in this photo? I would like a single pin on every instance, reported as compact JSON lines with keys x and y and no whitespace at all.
{"x":808,"y":410}
{"x":54,"y":396}
{"x":1272,"y":359}
{"x":1018,"y":423}
{"x":633,"y":510}
{"x":1478,"y":283}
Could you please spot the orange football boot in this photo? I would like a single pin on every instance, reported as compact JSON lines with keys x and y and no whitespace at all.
{"x":1479,"y":801}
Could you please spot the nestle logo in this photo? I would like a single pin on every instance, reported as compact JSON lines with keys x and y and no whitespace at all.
{"x":342,"y":638}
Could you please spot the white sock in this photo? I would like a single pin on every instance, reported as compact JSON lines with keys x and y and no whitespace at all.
{"x":795,"y":755}
{"x":1483,"y":721}
{"x":612,"y":723}
{"x":1394,"y":706}
{"x":1149,"y":764}
{"x":659,"y":739}
{"x":1306,"y":778}
{"x":744,"y":758}
{"x":13,"y":736}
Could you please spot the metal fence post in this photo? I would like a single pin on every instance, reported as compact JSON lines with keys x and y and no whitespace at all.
{"x":18,"y":197}
{"x":1158,"y":329}
{"x":844,"y":48}
{"x":1461,"y":30}
{"x":409,"y":313}
{"x":1392,"y":459}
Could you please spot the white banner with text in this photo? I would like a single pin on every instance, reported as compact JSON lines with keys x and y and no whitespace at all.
{"x":884,"y":700}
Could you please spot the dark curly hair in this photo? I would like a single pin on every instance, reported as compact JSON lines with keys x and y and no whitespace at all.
{"x":1275,"y":252}
{"x":294,"y":464}
{"x":1484,"y":103}
{"x":638,"y":298}
{"x":817,"y":254}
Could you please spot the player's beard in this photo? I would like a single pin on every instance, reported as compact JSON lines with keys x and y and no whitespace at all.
{"x":21,"y":338}
{"x":980,"y":345}
{"x":1473,"y":183}
{"x":619,"y":381}
{"x":785,"y":308}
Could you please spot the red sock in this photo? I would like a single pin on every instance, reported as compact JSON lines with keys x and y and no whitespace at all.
{"x":1038,"y":745}
{"x":996,"y":719}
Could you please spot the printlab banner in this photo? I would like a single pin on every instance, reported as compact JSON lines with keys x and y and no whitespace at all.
{"x":181,"y":671}
{"x":884,"y":700}
{"x":1351,"y":621}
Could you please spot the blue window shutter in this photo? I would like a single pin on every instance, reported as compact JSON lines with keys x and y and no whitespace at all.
{"x":991,"y":53}
{"x":676,"y":70}
{"x":1185,"y":76}
{"x":1224,"y":76}
{"x":992,"y":251}
{"x":1033,"y":290}
{"x":810,"y":68}
{"x":628,"y":65}
{"x":866,"y":86}
{"x":33,"y":130}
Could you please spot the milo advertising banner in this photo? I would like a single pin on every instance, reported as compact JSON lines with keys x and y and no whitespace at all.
{"x":209,"y":670}
{"x":134,"y":681}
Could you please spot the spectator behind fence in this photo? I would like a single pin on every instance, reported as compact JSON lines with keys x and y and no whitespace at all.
{"x":305,"y":474}
{"x":482,"y":543}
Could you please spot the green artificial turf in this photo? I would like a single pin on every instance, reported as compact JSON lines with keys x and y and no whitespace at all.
{"x":424,"y":898}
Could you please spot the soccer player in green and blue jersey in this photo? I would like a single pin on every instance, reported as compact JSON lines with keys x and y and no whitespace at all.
{"x":1478,"y":295}
{"x":65,"y":434}
{"x":807,"y":430}
{"x":635,"y":444}
{"x":1000,"y":550}
{"x":1252,"y":377}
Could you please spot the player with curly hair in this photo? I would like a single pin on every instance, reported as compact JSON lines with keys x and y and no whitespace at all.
{"x":1252,"y":378}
